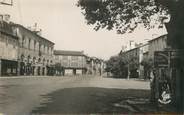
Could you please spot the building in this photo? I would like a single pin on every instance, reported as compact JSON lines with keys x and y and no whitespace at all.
{"x":72,"y":62}
{"x":157,"y":44}
{"x":35,"y":53}
{"x":140,"y":59}
{"x":95,"y":66}
{"x":131,"y":59}
{"x":8,"y":49}
{"x":143,"y":61}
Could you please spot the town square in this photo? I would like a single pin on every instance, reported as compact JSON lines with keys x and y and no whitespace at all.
{"x":91,"y":57}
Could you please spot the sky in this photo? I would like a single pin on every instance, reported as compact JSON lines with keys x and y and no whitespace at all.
{"x":62,"y":22}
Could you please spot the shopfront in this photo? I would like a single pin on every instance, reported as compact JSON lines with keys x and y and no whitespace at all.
{"x":8,"y":67}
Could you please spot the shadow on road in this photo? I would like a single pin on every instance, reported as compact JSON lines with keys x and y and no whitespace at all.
{"x":97,"y":100}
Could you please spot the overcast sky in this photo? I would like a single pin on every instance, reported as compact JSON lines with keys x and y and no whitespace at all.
{"x":61,"y":21}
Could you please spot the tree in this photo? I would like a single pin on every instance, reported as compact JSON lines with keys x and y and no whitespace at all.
{"x":115,"y":65}
{"x":148,"y":65}
{"x":126,"y":15}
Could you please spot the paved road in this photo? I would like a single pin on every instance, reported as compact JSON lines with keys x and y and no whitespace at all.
{"x":63,"y":95}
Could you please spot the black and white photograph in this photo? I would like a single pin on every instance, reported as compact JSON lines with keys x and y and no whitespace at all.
{"x":91,"y":57}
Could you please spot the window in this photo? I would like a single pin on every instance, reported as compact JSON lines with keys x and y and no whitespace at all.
{"x":39,"y":48}
{"x":74,"y":57}
{"x":45,"y":49}
{"x":48,"y":50}
{"x":39,"y":60}
{"x":74,"y":64}
{"x":65,"y":64}
{"x":6,"y":42}
{"x":51,"y":50}
{"x":65,"y":57}
{"x":34,"y":59}
{"x":23,"y":40}
{"x":29,"y":43}
{"x":34,"y":45}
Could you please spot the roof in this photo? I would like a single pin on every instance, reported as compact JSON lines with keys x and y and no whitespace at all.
{"x":7,"y":29}
{"x":18,"y":25}
{"x":157,"y":38}
{"x":133,"y":49}
{"x":68,"y":53}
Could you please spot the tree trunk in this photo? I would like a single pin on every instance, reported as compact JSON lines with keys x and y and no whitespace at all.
{"x":175,"y":30}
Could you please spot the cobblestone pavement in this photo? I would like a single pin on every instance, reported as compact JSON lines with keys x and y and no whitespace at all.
{"x":74,"y":95}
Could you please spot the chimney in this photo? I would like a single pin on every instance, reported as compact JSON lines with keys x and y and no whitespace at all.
{"x":39,"y":32}
{"x":35,"y":27}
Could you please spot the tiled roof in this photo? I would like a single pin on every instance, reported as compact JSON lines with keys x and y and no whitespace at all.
{"x":162,"y":36}
{"x":26,"y":29}
{"x":69,"y":53}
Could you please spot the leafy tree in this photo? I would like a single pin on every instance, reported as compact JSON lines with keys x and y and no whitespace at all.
{"x":148,"y":65}
{"x":112,"y":65}
{"x":115,"y":65}
{"x":126,"y":15}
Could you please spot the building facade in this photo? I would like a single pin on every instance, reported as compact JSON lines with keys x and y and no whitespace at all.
{"x":8,"y":50}
{"x":157,"y":44}
{"x":35,"y":53}
{"x":72,"y":62}
{"x":131,"y":59}
{"x":143,"y":60}
{"x":140,"y":59}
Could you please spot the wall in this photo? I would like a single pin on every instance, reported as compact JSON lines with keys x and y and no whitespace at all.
{"x":131,"y":58}
{"x":158,"y":44}
{"x":71,"y":64}
{"x":35,"y":53}
{"x":142,"y":57}
{"x":8,"y":47}
{"x":8,"y":54}
{"x":73,"y":61}
{"x":34,"y":46}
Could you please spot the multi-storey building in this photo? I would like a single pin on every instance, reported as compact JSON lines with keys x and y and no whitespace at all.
{"x":8,"y":49}
{"x":73,"y":62}
{"x":143,"y":60}
{"x":157,"y":44}
{"x":35,"y":53}
{"x":131,"y":59}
